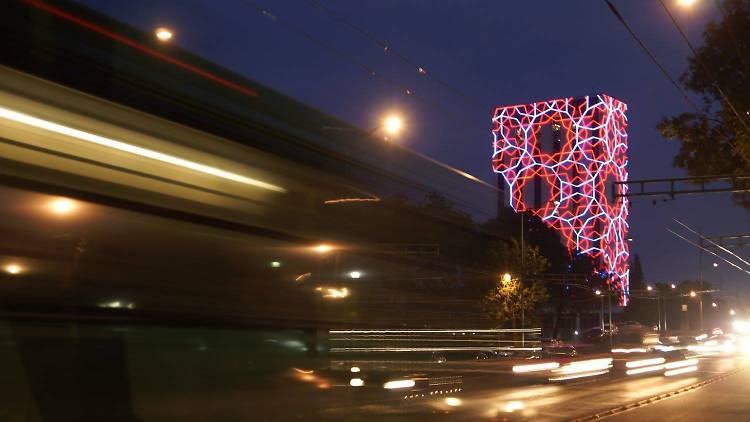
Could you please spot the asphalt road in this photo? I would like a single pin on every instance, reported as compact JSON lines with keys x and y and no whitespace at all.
{"x":564,"y":402}
{"x":725,"y":400}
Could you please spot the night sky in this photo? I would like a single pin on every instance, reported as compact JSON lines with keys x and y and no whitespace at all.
{"x":496,"y":53}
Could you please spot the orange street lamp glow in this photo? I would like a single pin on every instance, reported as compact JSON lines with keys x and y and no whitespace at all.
{"x":13,"y":269}
{"x":62,"y":206}
{"x":322,"y":248}
{"x":393,"y":125}
{"x":163,"y":34}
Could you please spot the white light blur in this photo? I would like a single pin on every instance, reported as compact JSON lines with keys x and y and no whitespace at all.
{"x":576,"y":376}
{"x":355,"y":369}
{"x":512,"y":406}
{"x":583,"y":368}
{"x":506,"y":278}
{"x":686,"y":3}
{"x":393,"y":125}
{"x":732,"y":312}
{"x":716,"y":264}
{"x":392,"y":385}
{"x":598,"y":292}
{"x":163,"y":34}
{"x":62,"y":206}
{"x":692,"y":294}
{"x":702,"y":337}
{"x":536,"y":367}
{"x":13,"y":269}
{"x":275,"y":264}
{"x":681,"y":363}
{"x":679,"y":371}
{"x":644,"y":370}
{"x":649,"y":288}
{"x":356,"y":382}
{"x":355,"y":274}
{"x":453,"y":401}
{"x":333,"y":293}
{"x":713,"y":304}
{"x":575,"y":332}
{"x":132,"y":149}
{"x":672,"y":286}
{"x":740,"y":327}
{"x":322,"y":248}
{"x":631,"y":350}
{"x":644,"y":362}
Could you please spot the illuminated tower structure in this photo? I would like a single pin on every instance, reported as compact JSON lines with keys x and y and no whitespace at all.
{"x":559,"y":159}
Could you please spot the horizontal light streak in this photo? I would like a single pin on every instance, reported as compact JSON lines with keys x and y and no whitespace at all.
{"x":431,"y":349}
{"x":581,"y":375}
{"x":681,"y":363}
{"x":392,"y":385}
{"x":633,"y":350}
{"x":644,"y":362}
{"x":536,"y":367}
{"x":132,"y":149}
{"x":644,"y":369}
{"x":347,"y":200}
{"x":499,"y":330}
{"x":680,"y":371}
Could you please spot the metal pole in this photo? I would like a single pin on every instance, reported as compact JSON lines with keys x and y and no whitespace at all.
{"x":609,"y":306}
{"x":601,"y":313}
{"x":700,"y":280}
{"x":664,"y":298}
{"x":520,"y":283}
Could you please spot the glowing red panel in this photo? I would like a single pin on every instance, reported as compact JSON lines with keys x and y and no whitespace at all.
{"x":559,"y":159}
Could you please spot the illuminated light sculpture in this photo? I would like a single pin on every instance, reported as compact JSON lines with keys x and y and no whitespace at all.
{"x":577,"y":147}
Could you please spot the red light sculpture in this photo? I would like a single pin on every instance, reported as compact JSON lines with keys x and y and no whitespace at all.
{"x":576,"y":147}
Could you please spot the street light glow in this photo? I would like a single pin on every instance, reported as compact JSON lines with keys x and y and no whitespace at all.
{"x":62,"y":206}
{"x":393,"y":125}
{"x":716,"y":264}
{"x":13,"y":269}
{"x":506,"y":278}
{"x":732,"y":312}
{"x":692,"y":293}
{"x":649,"y":288}
{"x":322,"y":248}
{"x":163,"y":34}
{"x":672,"y":286}
{"x":713,"y":304}
{"x":686,"y":3}
{"x":598,"y":292}
{"x":355,"y":274}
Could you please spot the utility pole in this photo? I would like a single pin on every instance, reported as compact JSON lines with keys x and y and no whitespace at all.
{"x":520,"y":281}
{"x":700,"y":279}
{"x":609,"y":306}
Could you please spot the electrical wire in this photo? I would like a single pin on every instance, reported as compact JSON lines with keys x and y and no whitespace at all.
{"x":705,"y":68}
{"x":709,"y":251}
{"x":652,"y":57}
{"x":711,"y":241}
{"x":387,"y":49}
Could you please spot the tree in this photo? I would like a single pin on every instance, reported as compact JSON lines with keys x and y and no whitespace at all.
{"x":509,"y":297}
{"x":717,"y":141}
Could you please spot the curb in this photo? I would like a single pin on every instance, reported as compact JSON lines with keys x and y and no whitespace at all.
{"x":655,"y":399}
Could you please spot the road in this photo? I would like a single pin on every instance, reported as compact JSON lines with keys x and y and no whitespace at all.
{"x":564,"y":402}
{"x":725,"y":400}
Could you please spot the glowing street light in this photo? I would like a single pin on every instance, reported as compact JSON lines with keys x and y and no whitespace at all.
{"x":713,"y":304}
{"x":355,"y":274}
{"x":13,"y":269}
{"x":275,"y":264}
{"x":163,"y":34}
{"x":649,"y":288}
{"x":598,"y":292}
{"x":686,"y":3}
{"x":506,"y":278}
{"x":673,"y":286}
{"x":393,"y":125}
{"x":716,"y":264}
{"x":62,"y":206}
{"x":732,"y":312}
{"x":692,"y":293}
{"x":323,"y":248}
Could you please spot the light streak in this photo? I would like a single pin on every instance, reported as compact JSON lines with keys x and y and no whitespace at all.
{"x":392,"y":385}
{"x":680,"y":371}
{"x":644,"y":369}
{"x":453,"y":401}
{"x":590,"y":152}
{"x":576,"y":376}
{"x":467,"y":331}
{"x":632,"y":350}
{"x":644,"y":362}
{"x":512,"y":406}
{"x":432,"y":349}
{"x":681,"y":363}
{"x":536,"y":367}
{"x":49,"y":126}
{"x":356,"y":382}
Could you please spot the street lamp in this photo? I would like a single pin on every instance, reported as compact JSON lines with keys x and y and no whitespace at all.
{"x":716,"y":264}
{"x":672,"y":286}
{"x":163,"y":34}
{"x":732,"y":312}
{"x":692,"y":293}
{"x":322,"y":248}
{"x":713,"y":304}
{"x":393,"y":125}
{"x":13,"y":269}
{"x":686,"y":3}
{"x":506,"y":278}
{"x":62,"y":206}
{"x":649,"y":288}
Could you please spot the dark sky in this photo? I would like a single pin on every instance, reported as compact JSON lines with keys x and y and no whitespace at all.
{"x":497,"y":53}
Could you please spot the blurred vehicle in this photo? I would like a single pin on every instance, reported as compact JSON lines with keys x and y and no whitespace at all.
{"x":555,"y":347}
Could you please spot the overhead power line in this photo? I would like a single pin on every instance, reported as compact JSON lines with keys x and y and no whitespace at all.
{"x":388,"y":49}
{"x":715,"y":81}
{"x":703,"y":238}
{"x":652,"y":57}
{"x":709,"y":251}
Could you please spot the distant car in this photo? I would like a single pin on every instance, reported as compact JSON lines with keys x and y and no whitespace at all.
{"x":553,"y":347}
